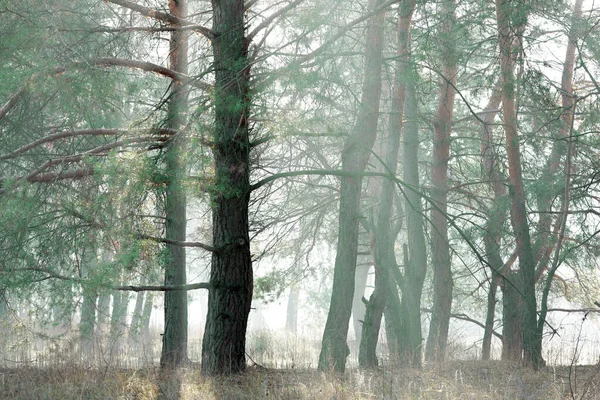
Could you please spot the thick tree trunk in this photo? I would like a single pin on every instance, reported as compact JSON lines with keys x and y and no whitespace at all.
{"x":512,"y":316}
{"x":519,"y":220}
{"x":230,"y":296}
{"x":440,"y":247}
{"x":174,"y":346}
{"x":355,"y":155}
{"x":410,"y":338}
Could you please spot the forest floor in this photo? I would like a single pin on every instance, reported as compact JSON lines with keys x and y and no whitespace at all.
{"x":453,"y":380}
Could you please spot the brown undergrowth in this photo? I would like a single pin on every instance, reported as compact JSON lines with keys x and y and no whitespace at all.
{"x":453,"y":380}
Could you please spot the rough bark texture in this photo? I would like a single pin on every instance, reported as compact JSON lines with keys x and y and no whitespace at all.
{"x":519,"y":221}
{"x":512,"y":317}
{"x":230,"y":296}
{"x":440,"y":247}
{"x":174,"y":344}
{"x":355,"y":155}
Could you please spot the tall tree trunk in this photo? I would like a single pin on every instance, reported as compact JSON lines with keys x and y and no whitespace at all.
{"x":385,"y":297}
{"x":174,"y":346}
{"x":495,"y":215}
{"x":230,"y":296}
{"x":103,"y":313}
{"x":519,"y":221}
{"x":568,"y":107}
{"x":440,"y":247}
{"x":410,"y":338}
{"x":355,"y":155}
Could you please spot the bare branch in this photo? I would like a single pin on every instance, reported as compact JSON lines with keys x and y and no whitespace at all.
{"x":177,"y":242}
{"x":163,"y":16}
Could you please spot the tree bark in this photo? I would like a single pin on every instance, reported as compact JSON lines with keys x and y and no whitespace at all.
{"x":520,"y":224}
{"x":495,"y":215}
{"x":385,"y":297}
{"x":291,"y":320}
{"x":410,"y":338}
{"x":440,"y":247}
{"x":512,"y":317}
{"x":355,"y":155}
{"x":565,"y":132}
{"x":88,"y":306}
{"x":174,"y":345}
{"x":230,"y":296}
{"x":358,"y":306}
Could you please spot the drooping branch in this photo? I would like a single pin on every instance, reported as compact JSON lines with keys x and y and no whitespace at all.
{"x":465,"y":317}
{"x":83,"y":132}
{"x":148,"y":67}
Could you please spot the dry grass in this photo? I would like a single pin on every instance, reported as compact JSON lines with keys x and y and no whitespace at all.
{"x":455,"y":380}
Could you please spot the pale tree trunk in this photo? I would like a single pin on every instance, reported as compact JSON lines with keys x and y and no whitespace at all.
{"x":440,"y":247}
{"x":291,"y":320}
{"x":519,"y":221}
{"x":357,"y":149}
{"x":358,"y":306}
{"x":230,"y":296}
{"x":385,"y":297}
{"x":174,"y":346}
{"x":88,"y":307}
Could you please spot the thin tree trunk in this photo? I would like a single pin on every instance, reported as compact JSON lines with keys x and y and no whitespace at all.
{"x":88,"y":307}
{"x":291,"y":320}
{"x":136,"y":317}
{"x":230,"y":296}
{"x":174,"y":347}
{"x":495,"y":216}
{"x":568,"y":106}
{"x":519,"y":220}
{"x":440,"y":247}
{"x":357,"y":149}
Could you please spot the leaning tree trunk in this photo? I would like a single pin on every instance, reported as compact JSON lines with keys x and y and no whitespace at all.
{"x":519,"y":221}
{"x":440,"y":247}
{"x":174,"y":344}
{"x":355,"y":155}
{"x":565,"y":132}
{"x":230,"y":295}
